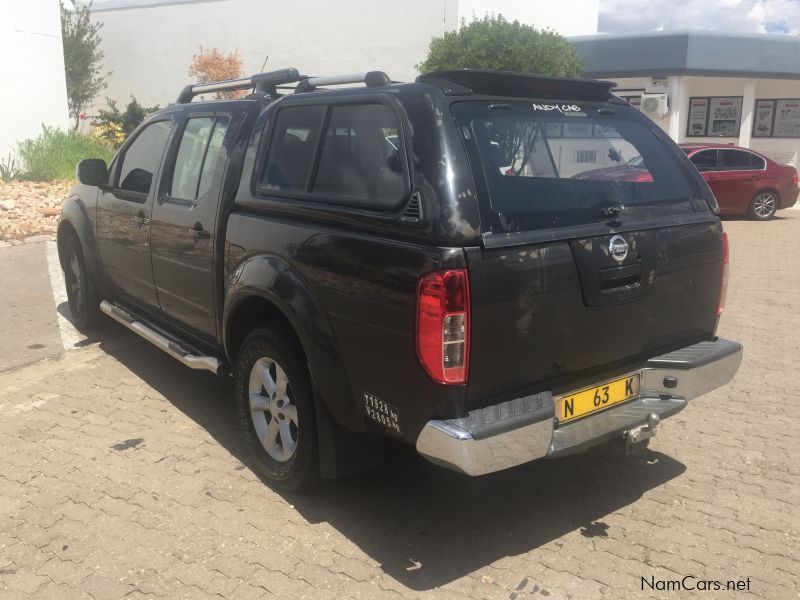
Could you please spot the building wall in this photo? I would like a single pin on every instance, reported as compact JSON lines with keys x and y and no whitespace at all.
{"x":149,"y":48}
{"x":682,"y":88}
{"x":32,"y":70}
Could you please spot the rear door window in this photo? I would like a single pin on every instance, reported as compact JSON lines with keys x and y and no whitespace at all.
{"x":293,"y":148}
{"x":360,"y":160}
{"x":549,"y":166}
{"x":739,"y":160}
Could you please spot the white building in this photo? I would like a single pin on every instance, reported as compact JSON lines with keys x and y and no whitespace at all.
{"x":149,"y":44}
{"x":32,"y":71}
{"x":741,"y":89}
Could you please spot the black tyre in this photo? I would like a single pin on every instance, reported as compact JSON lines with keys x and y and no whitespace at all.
{"x":84,"y":304}
{"x":764,"y":205}
{"x":276,"y":408}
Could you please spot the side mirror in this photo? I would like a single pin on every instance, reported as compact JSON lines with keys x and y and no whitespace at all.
{"x":92,"y":171}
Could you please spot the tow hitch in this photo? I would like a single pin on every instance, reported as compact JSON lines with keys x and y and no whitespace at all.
{"x":638,"y":438}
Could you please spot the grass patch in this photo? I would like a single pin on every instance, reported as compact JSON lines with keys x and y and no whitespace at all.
{"x":55,"y":153}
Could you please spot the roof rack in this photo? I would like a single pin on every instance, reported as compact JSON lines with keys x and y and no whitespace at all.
{"x":262,"y":82}
{"x":370,"y":78}
{"x":268,"y":83}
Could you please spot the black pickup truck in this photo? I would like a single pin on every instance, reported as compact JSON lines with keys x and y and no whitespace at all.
{"x":493,"y":267}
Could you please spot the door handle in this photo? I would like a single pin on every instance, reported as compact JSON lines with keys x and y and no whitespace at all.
{"x":199,"y":233}
{"x":141,"y":219}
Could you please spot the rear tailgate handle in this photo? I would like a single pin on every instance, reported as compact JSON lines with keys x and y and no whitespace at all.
{"x":620,"y":277}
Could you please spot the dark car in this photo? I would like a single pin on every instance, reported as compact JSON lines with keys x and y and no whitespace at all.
{"x":355,"y":259}
{"x":744,"y":182}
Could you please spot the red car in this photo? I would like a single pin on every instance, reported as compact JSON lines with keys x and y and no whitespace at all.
{"x":744,"y":182}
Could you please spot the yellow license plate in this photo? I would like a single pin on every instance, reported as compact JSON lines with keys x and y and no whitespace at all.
{"x":590,"y":400}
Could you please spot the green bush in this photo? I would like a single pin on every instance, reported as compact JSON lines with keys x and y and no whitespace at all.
{"x":54,"y":153}
{"x":495,"y":43}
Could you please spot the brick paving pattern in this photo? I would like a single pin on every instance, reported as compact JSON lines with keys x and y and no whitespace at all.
{"x":121,"y":475}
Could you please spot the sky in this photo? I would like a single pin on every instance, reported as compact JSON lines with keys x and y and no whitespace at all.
{"x":622,"y":16}
{"x":754,"y":16}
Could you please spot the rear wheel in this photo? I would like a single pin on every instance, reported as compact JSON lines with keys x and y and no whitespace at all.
{"x":763,"y":206}
{"x":81,"y":293}
{"x":276,"y":410}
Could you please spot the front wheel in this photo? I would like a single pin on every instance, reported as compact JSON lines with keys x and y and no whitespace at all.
{"x":81,"y":294}
{"x":763,"y":206}
{"x":276,"y":408}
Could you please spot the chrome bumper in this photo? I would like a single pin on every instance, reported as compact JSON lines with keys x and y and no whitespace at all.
{"x":524,"y":429}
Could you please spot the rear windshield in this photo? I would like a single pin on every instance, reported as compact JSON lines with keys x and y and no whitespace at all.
{"x":559,"y":165}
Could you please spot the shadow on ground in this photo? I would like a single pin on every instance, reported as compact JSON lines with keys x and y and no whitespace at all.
{"x":425,"y":525}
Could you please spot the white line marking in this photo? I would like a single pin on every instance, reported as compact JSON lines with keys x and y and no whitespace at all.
{"x":69,"y":335}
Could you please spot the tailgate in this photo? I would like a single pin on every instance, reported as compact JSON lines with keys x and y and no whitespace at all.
{"x":598,"y":249}
{"x":545,"y":315}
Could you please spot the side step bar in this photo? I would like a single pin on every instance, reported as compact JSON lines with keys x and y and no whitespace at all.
{"x":160,"y":340}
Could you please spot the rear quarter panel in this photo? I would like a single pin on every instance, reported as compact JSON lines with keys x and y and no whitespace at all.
{"x":351,"y":298}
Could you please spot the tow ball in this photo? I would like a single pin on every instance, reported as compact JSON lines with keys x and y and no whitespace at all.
{"x":638,"y":438}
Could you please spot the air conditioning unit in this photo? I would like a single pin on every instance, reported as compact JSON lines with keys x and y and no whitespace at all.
{"x":654,"y":104}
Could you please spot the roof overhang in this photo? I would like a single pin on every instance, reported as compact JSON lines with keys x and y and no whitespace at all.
{"x":701,"y":53}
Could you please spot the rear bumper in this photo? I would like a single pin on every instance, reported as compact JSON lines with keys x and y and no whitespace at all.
{"x":789,"y":199}
{"x":524,"y":429}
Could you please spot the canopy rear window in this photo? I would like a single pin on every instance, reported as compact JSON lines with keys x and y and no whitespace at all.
{"x":552,"y":165}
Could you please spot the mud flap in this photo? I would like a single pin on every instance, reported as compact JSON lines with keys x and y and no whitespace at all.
{"x":341,"y":452}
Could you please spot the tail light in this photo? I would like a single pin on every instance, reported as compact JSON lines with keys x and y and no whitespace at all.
{"x":443,"y":325}
{"x":794,"y":178}
{"x":723,"y":285}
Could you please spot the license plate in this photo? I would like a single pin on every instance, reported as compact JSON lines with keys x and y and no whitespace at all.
{"x":593,"y":399}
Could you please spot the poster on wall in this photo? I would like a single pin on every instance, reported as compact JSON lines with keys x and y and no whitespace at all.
{"x":724,"y":116}
{"x":762,"y":119}
{"x":787,"y":118}
{"x":698,"y":111}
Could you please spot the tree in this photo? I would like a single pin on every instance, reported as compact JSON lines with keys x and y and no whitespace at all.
{"x":82,"y":58}
{"x":213,"y":65}
{"x":495,"y":43}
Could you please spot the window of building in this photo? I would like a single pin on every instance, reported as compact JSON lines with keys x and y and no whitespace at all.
{"x":196,"y":161}
{"x":293,"y":148}
{"x":142,"y":157}
{"x":360,"y":159}
{"x":714,"y":116}
{"x":586,"y":156}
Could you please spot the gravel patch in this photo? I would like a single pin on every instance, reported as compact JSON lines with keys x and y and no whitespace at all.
{"x":30,"y":209}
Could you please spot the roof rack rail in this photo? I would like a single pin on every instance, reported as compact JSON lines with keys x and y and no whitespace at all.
{"x":370,"y":78}
{"x":262,"y":82}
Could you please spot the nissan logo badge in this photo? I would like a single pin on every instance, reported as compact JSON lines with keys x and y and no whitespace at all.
{"x":618,"y":248}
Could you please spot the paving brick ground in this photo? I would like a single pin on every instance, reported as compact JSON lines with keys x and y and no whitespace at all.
{"x":121,"y":475}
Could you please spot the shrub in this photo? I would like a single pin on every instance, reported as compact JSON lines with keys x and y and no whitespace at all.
{"x":8,"y":169}
{"x":54,"y":153}
{"x":495,"y":43}
{"x":114,"y":125}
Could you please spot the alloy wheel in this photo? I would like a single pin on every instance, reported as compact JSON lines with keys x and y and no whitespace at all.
{"x":273,"y":412}
{"x":764,"y":205}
